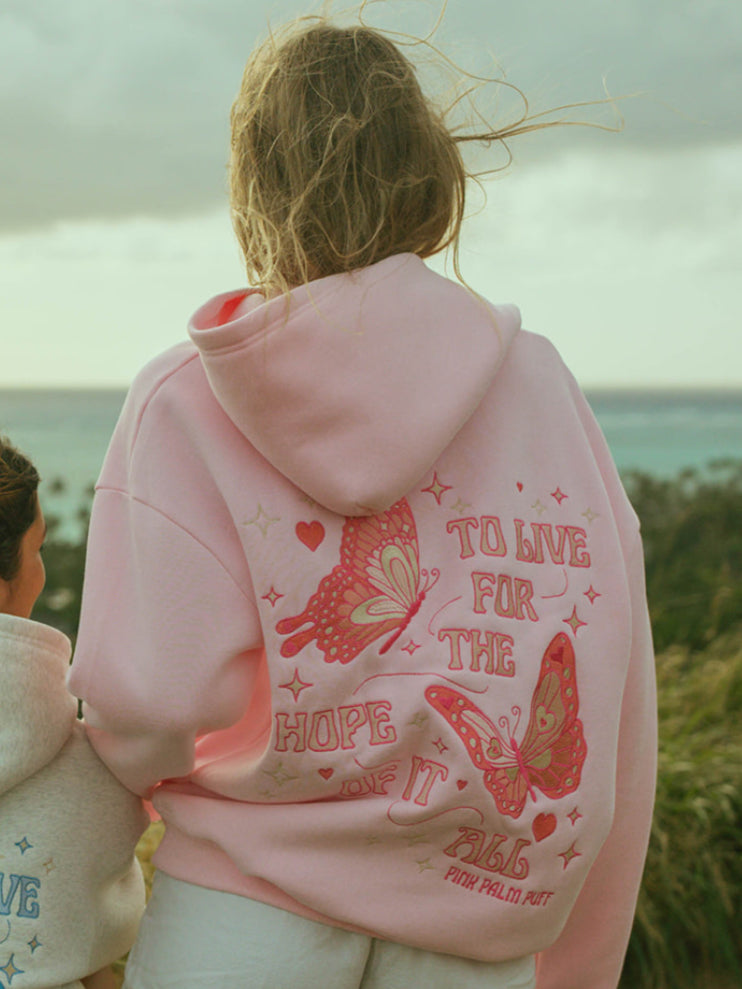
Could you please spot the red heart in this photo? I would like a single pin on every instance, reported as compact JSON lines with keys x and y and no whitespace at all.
{"x":325,"y":773}
{"x":462,"y":783}
{"x":543,"y":826}
{"x":310,"y":533}
{"x":519,"y":486}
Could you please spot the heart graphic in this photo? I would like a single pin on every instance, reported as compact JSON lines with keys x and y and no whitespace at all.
{"x":326,"y":773}
{"x":545,"y":719}
{"x":310,"y":533}
{"x":543,"y":826}
{"x":462,"y":783}
{"x":519,"y":486}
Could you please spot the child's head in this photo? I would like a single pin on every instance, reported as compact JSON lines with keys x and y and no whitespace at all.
{"x":338,"y":159}
{"x":22,"y":532}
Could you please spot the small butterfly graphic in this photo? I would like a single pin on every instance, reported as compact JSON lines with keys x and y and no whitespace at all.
{"x":376,"y":588}
{"x":552,"y":752}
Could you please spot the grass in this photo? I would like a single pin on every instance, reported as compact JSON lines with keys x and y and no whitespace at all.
{"x":689,"y":915}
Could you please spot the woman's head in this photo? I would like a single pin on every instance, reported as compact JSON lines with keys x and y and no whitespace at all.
{"x":22,"y":531}
{"x":338,"y":159}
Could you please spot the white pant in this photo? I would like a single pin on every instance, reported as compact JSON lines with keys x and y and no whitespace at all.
{"x":194,"y":937}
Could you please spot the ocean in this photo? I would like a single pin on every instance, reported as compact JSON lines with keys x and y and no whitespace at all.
{"x":66,"y":433}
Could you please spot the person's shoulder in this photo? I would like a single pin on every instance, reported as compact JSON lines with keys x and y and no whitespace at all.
{"x":167,"y":369}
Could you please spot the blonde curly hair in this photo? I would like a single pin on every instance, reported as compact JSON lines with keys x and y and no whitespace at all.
{"x":339,"y":160}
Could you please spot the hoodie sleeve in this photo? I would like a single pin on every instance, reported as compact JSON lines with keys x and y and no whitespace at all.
{"x":168,"y":647}
{"x":589,"y":952}
{"x":170,"y":642}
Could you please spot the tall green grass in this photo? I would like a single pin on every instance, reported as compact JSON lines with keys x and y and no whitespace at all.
{"x":688,"y":928}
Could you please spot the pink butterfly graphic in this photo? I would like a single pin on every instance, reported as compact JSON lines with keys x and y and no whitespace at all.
{"x":550,"y":756}
{"x":377,"y":588}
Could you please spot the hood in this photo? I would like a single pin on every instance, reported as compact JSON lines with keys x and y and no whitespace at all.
{"x":353,"y":385}
{"x":37,"y":711}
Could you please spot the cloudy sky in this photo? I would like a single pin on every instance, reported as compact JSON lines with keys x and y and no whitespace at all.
{"x":625,"y":249}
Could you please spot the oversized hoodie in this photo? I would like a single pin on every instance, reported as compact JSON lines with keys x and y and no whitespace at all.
{"x":364,"y":614}
{"x":71,"y":890}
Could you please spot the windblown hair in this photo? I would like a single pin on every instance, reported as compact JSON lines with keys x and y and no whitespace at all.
{"x":339,"y":160}
{"x":19,"y":481}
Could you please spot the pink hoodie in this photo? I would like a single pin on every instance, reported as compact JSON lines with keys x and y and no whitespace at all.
{"x":364,"y":606}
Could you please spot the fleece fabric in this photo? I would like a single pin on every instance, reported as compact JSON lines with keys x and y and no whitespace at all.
{"x":364,"y":615}
{"x":71,"y":891}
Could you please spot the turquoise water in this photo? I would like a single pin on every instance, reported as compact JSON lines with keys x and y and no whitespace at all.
{"x":66,"y":433}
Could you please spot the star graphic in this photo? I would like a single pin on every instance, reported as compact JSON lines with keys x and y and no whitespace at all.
{"x":411,"y":647}
{"x":49,"y":866}
{"x":440,"y":745}
{"x":261,"y":520}
{"x":419,"y":720}
{"x":272,"y":596}
{"x":436,"y":488}
{"x":538,"y":507}
{"x":570,"y":854}
{"x":10,"y":969}
{"x":415,"y":839}
{"x":24,"y":844}
{"x":34,"y":943}
{"x":590,"y":515}
{"x":279,"y":775}
{"x":296,"y":685}
{"x":574,"y":622}
{"x":460,"y":506}
{"x":559,"y":496}
{"x":574,"y":816}
{"x":592,"y":594}
{"x":424,"y":864}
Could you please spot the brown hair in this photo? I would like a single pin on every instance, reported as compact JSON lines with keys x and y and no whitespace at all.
{"x":338,"y":158}
{"x":19,"y":481}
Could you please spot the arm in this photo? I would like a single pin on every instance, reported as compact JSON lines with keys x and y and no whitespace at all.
{"x":589,"y":952}
{"x":169,"y":642}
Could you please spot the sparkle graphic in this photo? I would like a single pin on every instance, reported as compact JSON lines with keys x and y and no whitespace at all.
{"x":34,"y":943}
{"x":279,"y":775}
{"x":590,"y":515}
{"x":419,"y":720}
{"x":24,"y":844}
{"x":261,"y":520}
{"x":574,"y":622}
{"x":574,"y":817}
{"x":272,"y":596}
{"x":436,"y":488}
{"x":296,"y":685}
{"x":558,"y":496}
{"x":10,"y":969}
{"x":49,"y":866}
{"x":538,"y":507}
{"x":415,"y":839}
{"x":570,"y":854}
{"x":440,"y":745}
{"x":424,"y":864}
{"x":460,"y":506}
{"x":411,"y":647}
{"x":592,"y":594}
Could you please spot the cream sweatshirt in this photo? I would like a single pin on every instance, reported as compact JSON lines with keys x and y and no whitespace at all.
{"x":71,"y":890}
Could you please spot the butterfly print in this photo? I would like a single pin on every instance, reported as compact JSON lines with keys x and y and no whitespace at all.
{"x":550,"y":756}
{"x":376,"y":589}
